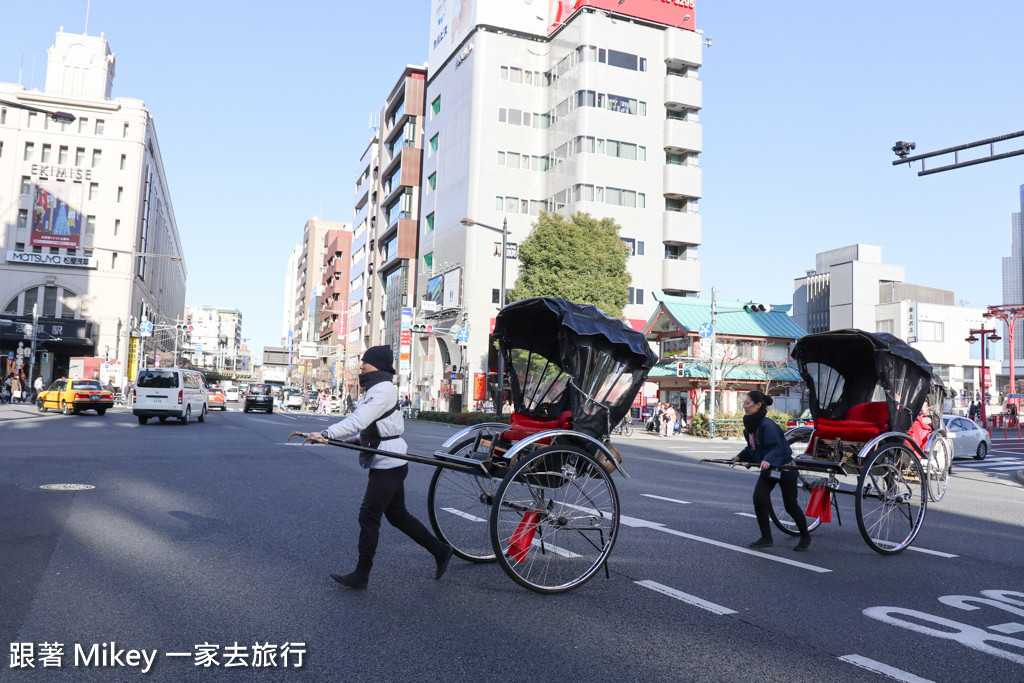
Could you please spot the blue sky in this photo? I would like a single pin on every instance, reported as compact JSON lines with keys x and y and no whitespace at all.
{"x":262,"y":112}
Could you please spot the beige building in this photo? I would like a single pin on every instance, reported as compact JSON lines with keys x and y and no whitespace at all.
{"x":87,"y":227}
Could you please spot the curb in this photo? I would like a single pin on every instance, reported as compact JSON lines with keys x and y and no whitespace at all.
{"x":1020,"y":476}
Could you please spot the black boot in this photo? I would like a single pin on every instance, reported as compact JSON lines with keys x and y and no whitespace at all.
{"x":804,"y":543}
{"x":763,"y":542}
{"x":352,"y":580}
{"x":443,"y":559}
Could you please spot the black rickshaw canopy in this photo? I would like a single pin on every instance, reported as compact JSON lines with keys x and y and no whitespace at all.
{"x":848,"y":367}
{"x":561,"y":356}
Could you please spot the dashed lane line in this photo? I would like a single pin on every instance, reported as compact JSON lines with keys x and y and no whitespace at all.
{"x":884,"y":669}
{"x":685,"y":597}
{"x":670,"y":500}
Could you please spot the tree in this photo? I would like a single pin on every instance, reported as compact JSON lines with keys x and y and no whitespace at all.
{"x":578,"y":258}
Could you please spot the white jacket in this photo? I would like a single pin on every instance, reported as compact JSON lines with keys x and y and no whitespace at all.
{"x":378,"y":400}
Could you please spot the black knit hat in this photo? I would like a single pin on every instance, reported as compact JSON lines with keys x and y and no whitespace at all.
{"x":380,"y":357}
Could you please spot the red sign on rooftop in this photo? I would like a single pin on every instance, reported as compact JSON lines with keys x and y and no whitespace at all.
{"x":676,"y":13}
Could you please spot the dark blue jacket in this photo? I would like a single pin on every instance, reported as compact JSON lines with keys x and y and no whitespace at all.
{"x":770,"y":446}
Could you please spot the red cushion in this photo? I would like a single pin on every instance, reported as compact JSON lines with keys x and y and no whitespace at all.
{"x":862,"y":422}
{"x":522,"y":426}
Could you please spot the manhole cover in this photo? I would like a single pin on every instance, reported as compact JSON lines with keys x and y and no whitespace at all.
{"x":67,"y":487}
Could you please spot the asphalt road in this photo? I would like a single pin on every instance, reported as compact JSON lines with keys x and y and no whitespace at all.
{"x":220,"y":538}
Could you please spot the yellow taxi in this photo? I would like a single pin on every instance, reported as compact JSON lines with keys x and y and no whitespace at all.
{"x":75,"y":395}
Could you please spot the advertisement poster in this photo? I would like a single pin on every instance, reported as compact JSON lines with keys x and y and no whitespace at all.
{"x":57,"y":219}
{"x":452,"y":289}
{"x":479,"y":386}
{"x":133,"y":357}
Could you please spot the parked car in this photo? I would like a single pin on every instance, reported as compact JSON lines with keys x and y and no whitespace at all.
{"x":75,"y":395}
{"x":216,"y":399}
{"x":970,"y":440}
{"x":170,"y":392}
{"x":259,"y":397}
{"x":231,"y":394}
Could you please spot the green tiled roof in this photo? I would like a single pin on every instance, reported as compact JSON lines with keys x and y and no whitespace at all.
{"x":742,"y":372}
{"x":732,"y":320}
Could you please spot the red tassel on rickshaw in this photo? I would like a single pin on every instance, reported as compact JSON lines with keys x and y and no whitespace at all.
{"x":523,"y":536}
{"x":820,"y":505}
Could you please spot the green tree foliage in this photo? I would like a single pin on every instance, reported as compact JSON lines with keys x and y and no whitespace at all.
{"x":578,"y":258}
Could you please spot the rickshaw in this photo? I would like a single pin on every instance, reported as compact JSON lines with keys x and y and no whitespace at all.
{"x":867,"y":392}
{"x":536,"y":494}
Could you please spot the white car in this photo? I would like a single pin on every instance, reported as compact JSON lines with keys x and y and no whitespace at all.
{"x":170,"y":392}
{"x":969,"y":439}
{"x":231,"y":394}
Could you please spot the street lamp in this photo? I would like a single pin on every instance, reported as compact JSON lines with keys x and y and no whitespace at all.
{"x":501,"y":299}
{"x":1009,"y":314}
{"x":58,"y":116}
{"x":985,"y":336}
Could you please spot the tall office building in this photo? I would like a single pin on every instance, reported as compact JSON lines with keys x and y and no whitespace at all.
{"x":1013,"y":282}
{"x":588,"y":106}
{"x":86,"y":222}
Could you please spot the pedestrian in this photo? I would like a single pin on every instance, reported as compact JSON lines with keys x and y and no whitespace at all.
{"x":668,"y":420}
{"x":37,"y":386}
{"x":766,"y":446}
{"x":15,"y":389}
{"x":378,"y":421}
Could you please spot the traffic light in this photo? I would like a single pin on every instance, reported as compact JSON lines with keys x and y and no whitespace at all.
{"x":680,"y":368}
{"x":422,"y":328}
{"x":756,"y":308}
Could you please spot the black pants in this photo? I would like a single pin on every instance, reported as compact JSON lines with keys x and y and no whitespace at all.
{"x":763,"y":503}
{"x":385,"y":497}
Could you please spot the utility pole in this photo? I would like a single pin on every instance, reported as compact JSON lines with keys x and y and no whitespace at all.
{"x":32,"y":342}
{"x":714,"y":312}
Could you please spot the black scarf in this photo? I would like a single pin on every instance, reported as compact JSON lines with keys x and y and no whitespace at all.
{"x":752,"y":422}
{"x":370,"y":379}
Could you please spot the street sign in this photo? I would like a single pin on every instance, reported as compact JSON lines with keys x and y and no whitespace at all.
{"x":706,"y":330}
{"x":463,"y":335}
{"x":199,"y":348}
{"x":146,"y":327}
{"x":454,"y":375}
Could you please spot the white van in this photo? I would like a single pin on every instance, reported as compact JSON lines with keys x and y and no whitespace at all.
{"x":170,"y":392}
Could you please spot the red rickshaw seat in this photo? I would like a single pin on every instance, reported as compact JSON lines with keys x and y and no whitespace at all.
{"x":862,"y":422}
{"x":522,"y":426}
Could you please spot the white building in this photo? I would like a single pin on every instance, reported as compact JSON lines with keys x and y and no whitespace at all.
{"x":86,"y":222}
{"x":538,"y":107}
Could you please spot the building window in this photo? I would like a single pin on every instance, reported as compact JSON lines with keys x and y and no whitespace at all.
{"x":428,"y":261}
{"x":124,"y":159}
{"x":433,"y":145}
{"x":636,"y":296}
{"x":930,"y":330}
{"x":495,"y":296}
{"x":117,"y":226}
{"x":99,"y":126}
{"x":94,"y":190}
{"x":430,"y":222}
{"x":97,"y":156}
{"x":19,"y":246}
{"x":431,"y":182}
{"x":80,"y":156}
{"x":62,"y":155}
{"x":46,"y":154}
{"x":30,"y":151}
{"x":90,"y":225}
{"x":124,"y":133}
{"x":26,"y":185}
{"x":22,"y":218}
{"x":885,"y":326}
{"x":83,"y":125}
{"x":120,"y":194}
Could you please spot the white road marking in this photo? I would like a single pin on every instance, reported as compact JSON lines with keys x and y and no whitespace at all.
{"x":884,"y":669}
{"x":464,"y":515}
{"x":1012,"y":627}
{"x":747,"y":514}
{"x":685,"y":597}
{"x":931,"y":552}
{"x":644,"y":524}
{"x":671,"y":500}
{"x":553,"y":548}
{"x":694,"y":450}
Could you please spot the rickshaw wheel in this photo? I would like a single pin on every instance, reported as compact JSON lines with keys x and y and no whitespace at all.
{"x":781,"y":518}
{"x":939,"y":462}
{"x":555,"y":519}
{"x":805,"y":485}
{"x":891,"y":498}
{"x":459,"y":505}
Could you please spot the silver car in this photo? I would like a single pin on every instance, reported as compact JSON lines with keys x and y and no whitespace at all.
{"x":969,"y":439}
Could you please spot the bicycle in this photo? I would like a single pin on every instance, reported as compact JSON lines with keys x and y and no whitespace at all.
{"x":625,"y":427}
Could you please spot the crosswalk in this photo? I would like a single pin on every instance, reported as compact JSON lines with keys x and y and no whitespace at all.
{"x":993,"y":463}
